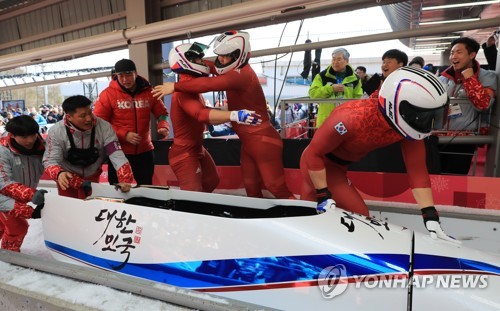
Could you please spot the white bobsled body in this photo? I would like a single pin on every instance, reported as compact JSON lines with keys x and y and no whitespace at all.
{"x":276,"y":253}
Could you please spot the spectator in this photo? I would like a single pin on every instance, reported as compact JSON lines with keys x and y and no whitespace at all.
{"x":490,"y":50}
{"x":363,"y":77}
{"x":52,"y":117}
{"x":44,"y":111}
{"x":338,"y":80}
{"x":2,"y":125}
{"x":10,"y":116}
{"x":417,"y":61}
{"x":272,"y":119}
{"x":59,"y":113}
{"x":21,"y":166}
{"x":289,"y":114}
{"x":402,"y":113}
{"x":18,"y":112}
{"x":127,"y":104}
{"x":431,"y":68}
{"x":300,"y":111}
{"x":192,"y":164}
{"x":464,"y":79}
{"x":78,"y":145}
{"x":38,"y":118}
{"x":391,"y":60}
{"x":262,"y":147}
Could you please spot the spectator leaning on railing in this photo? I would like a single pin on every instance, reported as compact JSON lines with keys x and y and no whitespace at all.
{"x":464,"y":79}
{"x":490,"y":50}
{"x":338,"y":80}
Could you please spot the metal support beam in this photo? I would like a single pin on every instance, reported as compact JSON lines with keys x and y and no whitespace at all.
{"x":56,"y":81}
{"x":61,"y":31}
{"x":428,"y":31}
{"x":29,"y":8}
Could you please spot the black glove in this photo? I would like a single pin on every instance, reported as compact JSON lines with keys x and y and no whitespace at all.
{"x":37,"y":212}
{"x":325,"y":201}
{"x":323,"y":195}
{"x":39,"y":198}
{"x":429,"y":214}
{"x":431,"y":222}
{"x":87,"y":187}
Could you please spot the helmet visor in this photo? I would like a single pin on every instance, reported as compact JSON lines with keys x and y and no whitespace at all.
{"x":420,"y":119}
{"x":196,"y":50}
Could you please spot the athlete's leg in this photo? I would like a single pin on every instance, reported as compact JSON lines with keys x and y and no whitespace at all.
{"x":187,"y":169}
{"x":307,"y":190}
{"x":267,"y":154}
{"x":210,"y":177}
{"x":250,"y":173}
{"x":343,"y":191}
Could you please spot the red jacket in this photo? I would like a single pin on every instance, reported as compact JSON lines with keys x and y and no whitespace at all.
{"x":131,"y":113}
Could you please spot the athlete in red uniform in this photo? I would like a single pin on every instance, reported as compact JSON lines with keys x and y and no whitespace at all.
{"x":261,"y":146}
{"x":404,"y":112}
{"x":192,"y":164}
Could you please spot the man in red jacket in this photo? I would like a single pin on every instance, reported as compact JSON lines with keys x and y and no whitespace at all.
{"x":127,"y":104}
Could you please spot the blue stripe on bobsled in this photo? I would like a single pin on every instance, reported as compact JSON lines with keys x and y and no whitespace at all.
{"x":245,"y":271}
{"x":428,"y":262}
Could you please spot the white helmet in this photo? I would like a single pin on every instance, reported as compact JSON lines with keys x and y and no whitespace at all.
{"x":233,"y":43}
{"x":410,"y":98}
{"x":182,"y":59}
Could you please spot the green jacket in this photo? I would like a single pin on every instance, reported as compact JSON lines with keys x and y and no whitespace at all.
{"x":321,"y":87}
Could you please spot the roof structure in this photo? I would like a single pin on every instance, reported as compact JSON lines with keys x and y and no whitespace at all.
{"x":41,"y":31}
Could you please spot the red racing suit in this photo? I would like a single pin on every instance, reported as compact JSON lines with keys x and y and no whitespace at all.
{"x":351,"y":131}
{"x":261,"y":146}
{"x":192,"y":164}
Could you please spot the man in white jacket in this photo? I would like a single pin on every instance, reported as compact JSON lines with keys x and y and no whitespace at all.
{"x":78,"y":145}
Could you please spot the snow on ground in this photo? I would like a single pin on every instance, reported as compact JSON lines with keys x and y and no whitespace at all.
{"x":90,"y":295}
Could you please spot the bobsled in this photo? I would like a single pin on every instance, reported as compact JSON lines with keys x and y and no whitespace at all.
{"x":275,"y":253}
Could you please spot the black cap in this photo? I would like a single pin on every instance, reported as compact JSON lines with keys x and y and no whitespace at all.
{"x":124,"y":65}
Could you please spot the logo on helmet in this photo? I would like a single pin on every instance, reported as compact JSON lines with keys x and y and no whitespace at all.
{"x":416,"y":97}
{"x":391,"y":112}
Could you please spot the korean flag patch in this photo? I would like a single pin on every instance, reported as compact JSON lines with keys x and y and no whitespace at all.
{"x":340,"y":127}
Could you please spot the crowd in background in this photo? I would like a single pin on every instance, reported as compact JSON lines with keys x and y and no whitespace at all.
{"x":45,"y":114}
